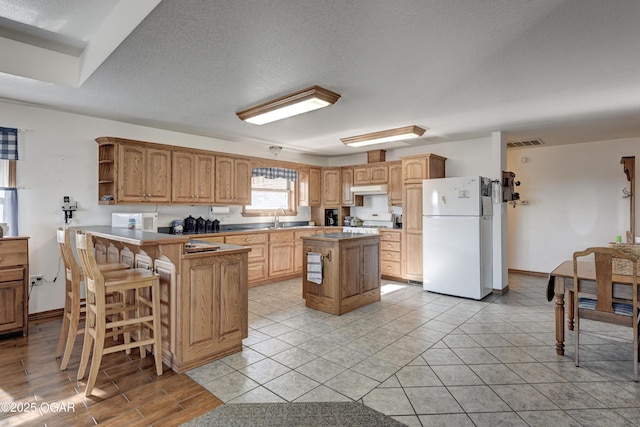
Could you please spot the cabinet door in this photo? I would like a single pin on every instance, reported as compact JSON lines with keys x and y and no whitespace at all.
{"x":242,"y":182}
{"x":224,"y":180}
{"x":213,"y":308}
{"x":11,"y":305}
{"x":182,"y":180}
{"x":361,"y":176}
{"x":203,"y":178}
{"x":315,"y":186}
{"x":303,"y":188}
{"x":132,"y":173}
{"x":331,"y":189}
{"x":415,"y":169}
{"x":370,"y":266}
{"x":348,"y":199}
{"x":281,"y":259}
{"x":395,"y":184}
{"x":378,"y":174}
{"x":412,"y":208}
{"x":350,"y":271}
{"x":158,"y":169}
{"x":413,"y":256}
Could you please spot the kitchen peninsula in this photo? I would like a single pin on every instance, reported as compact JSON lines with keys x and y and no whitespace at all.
{"x":203,"y":287}
{"x":350,"y":275}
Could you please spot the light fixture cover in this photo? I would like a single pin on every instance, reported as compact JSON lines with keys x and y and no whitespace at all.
{"x":388,"y":135}
{"x":305,"y":100}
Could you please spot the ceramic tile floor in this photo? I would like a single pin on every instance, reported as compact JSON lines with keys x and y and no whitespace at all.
{"x":432,"y":360}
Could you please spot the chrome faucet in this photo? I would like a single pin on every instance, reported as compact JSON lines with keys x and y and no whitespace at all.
{"x":276,"y":217}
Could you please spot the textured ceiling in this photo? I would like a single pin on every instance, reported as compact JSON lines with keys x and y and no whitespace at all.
{"x":565,"y":71}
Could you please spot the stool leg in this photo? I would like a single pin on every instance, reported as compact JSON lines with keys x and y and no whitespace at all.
{"x":157,"y":327}
{"x":141,"y":329}
{"x":65,"y":327}
{"x":87,"y":345}
{"x":71,"y":338}
{"x":98,"y":349}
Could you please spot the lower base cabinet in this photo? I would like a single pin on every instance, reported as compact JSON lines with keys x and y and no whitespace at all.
{"x":14,"y":275}
{"x":213,"y":307}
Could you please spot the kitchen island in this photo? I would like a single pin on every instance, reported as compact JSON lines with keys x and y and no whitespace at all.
{"x":350,"y":271}
{"x":203,"y":288}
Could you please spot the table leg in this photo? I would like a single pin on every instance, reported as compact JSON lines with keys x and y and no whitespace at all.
{"x":570,"y":309}
{"x":559,"y":291}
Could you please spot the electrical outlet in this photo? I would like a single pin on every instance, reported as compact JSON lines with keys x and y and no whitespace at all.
{"x":36,"y":280}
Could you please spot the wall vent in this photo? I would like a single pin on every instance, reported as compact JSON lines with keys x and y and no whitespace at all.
{"x":525,"y":143}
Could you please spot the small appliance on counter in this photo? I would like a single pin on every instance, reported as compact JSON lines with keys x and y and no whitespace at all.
{"x":216,"y":226}
{"x":176,"y":226}
{"x":208,"y":226}
{"x":330,"y":217}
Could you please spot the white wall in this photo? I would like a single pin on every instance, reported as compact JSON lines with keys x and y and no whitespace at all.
{"x":58,"y":157}
{"x":574,"y":195}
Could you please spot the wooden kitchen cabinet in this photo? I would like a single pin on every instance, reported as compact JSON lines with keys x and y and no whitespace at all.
{"x":192,"y":178}
{"x":415,"y":169}
{"x":315,"y":186}
{"x":233,"y":181}
{"x":422,"y":166}
{"x":331,"y":188}
{"x":348,"y":198}
{"x":143,"y":174}
{"x":213,"y":307}
{"x":14,"y":276}
{"x":258,"y":262}
{"x":281,"y":253}
{"x":303,"y":188}
{"x":395,"y":183}
{"x":371,"y":174}
{"x":351,"y":272}
{"x":391,"y":254}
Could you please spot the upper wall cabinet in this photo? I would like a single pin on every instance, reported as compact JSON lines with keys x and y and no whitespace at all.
{"x":315,"y":186}
{"x":233,"y":181}
{"x":422,"y":166}
{"x":370,"y":174}
{"x":331,"y":188}
{"x":130,"y":172}
{"x":192,"y":179}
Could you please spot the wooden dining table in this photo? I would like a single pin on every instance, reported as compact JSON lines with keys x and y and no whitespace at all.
{"x":562,"y":280}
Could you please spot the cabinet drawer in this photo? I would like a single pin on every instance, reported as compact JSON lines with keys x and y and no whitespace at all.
{"x":390,"y":268}
{"x":389,"y":256}
{"x":11,"y":274}
{"x":390,"y":246}
{"x":256,"y":271}
{"x":390,"y":236}
{"x":281,"y":236}
{"x":246,"y":239}
{"x":257,"y":253}
{"x":13,"y":252}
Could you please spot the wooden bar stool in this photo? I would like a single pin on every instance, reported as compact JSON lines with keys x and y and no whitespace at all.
{"x":74,"y":306}
{"x":138,"y":311}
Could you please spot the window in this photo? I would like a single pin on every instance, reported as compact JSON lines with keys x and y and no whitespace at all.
{"x":9,"y":196}
{"x":272,"y":188}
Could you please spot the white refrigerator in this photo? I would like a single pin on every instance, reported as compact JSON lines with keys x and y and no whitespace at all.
{"x":457,"y":236}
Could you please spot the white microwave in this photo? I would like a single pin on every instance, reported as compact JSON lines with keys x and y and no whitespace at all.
{"x":143,"y":221}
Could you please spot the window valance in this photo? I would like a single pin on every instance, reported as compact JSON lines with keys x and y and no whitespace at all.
{"x":273,"y":173}
{"x":8,"y":143}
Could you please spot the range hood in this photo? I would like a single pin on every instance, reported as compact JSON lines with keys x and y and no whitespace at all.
{"x":365,"y":190}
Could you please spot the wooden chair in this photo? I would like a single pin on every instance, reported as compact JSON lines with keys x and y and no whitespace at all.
{"x":74,"y":307}
{"x":599,"y":302}
{"x":137,"y":314}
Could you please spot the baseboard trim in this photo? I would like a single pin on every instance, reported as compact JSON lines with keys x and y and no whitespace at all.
{"x":501,"y":291}
{"x":528,"y":273}
{"x":44,"y":316}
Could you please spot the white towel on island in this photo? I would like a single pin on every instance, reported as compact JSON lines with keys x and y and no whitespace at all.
{"x":314,"y":267}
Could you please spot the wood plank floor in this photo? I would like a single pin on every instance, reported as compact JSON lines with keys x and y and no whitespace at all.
{"x":127,"y":391}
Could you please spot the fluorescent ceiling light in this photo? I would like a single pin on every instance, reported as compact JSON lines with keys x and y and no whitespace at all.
{"x":308,"y":99}
{"x":389,"y":135}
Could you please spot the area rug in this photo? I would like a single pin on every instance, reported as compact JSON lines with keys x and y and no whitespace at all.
{"x":314,"y":414}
